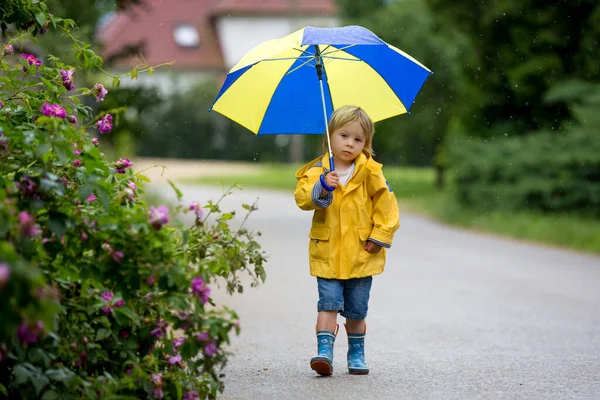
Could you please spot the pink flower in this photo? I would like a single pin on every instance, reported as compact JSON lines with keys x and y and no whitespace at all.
{"x":104,"y":125}
{"x":29,"y":334}
{"x":91,"y":198}
{"x":31,"y":60}
{"x":117,"y":256}
{"x":122,"y":164}
{"x":210,"y":349}
{"x":202,"y":337}
{"x":84,"y":236}
{"x":99,"y":91}
{"x":8,"y":49}
{"x":1,"y":105}
{"x":197,"y":209}
{"x":54,"y":110}
{"x":67,"y":78}
{"x":132,"y":185}
{"x":77,"y":163}
{"x":27,"y":224}
{"x":107,"y":296}
{"x":175,"y":359}
{"x":4,"y":275}
{"x":157,"y":378}
{"x":200,"y":290}
{"x":106,"y":247}
{"x":178,"y":342}
{"x":130,"y":193}
{"x":191,"y":395}
{"x":120,"y":303}
{"x":157,"y":393}
{"x":27,"y":187}
{"x":159,"y":216}
{"x":107,"y":310}
{"x":95,"y":142}
{"x":72,"y":119}
{"x":160,"y":330}
{"x":151,"y":280}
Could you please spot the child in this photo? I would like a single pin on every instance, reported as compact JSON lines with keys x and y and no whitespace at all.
{"x":356,"y":214}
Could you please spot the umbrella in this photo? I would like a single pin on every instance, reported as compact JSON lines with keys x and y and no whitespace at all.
{"x":292,"y":85}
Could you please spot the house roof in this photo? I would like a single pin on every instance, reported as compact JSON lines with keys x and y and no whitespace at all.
{"x":152,"y":25}
{"x":276,"y":7}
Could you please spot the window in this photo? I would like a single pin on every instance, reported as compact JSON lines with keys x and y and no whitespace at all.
{"x":186,"y":36}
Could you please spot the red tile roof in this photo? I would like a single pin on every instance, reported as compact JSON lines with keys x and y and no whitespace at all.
{"x":310,"y":7}
{"x":153,"y":22}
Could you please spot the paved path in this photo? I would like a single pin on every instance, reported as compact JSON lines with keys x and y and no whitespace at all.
{"x":455,"y":315}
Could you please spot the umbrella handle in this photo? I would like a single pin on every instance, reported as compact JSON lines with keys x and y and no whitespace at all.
{"x":331,"y":164}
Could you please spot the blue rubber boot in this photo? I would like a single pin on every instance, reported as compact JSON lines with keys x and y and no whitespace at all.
{"x":356,"y":353}
{"x":323,"y":362}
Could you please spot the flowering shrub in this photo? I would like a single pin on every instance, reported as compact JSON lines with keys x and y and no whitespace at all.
{"x":100,"y":295}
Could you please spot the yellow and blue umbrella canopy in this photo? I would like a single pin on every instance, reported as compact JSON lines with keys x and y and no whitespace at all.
{"x":275,"y":88}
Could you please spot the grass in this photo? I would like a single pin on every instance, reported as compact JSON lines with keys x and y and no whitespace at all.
{"x":414,"y":188}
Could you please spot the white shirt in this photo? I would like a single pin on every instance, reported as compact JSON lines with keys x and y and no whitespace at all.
{"x":345,"y":174}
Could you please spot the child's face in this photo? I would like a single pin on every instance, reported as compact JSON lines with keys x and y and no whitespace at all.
{"x":347,"y":142}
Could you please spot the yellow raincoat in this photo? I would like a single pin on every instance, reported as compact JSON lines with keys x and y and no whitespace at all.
{"x":366,"y":209}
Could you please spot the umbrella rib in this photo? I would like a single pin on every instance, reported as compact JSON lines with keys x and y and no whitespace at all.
{"x":304,"y":51}
{"x":287,"y":58}
{"x":336,"y":49}
{"x":341,"y":58}
{"x":299,"y":66}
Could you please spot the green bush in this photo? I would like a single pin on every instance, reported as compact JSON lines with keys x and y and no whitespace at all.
{"x":101,"y":296}
{"x":549,"y":171}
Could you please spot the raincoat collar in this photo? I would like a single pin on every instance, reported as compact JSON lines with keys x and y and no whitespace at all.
{"x":364,"y":165}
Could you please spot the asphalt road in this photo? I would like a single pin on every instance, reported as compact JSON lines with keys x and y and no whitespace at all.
{"x":455,"y":315}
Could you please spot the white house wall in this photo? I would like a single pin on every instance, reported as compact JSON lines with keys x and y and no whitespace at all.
{"x":238,"y":35}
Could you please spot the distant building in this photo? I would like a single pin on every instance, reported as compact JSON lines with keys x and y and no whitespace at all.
{"x":204,"y":38}
{"x":242,"y":24}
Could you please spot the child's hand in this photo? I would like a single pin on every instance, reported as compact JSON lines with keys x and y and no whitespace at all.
{"x":372,"y":247}
{"x":332,"y":179}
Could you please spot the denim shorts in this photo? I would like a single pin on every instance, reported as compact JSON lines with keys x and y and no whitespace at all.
{"x":350,"y":297}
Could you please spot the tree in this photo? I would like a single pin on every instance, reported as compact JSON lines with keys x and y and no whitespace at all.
{"x":413,"y":139}
{"x":522,"y":50}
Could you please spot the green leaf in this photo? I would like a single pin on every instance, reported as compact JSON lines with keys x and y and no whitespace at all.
{"x":50,"y":395}
{"x":3,"y":390}
{"x":59,"y":374}
{"x":103,"y":195}
{"x":226,"y":216}
{"x":127,"y":312}
{"x":49,"y":85}
{"x":177,"y":191}
{"x":102,"y":334}
{"x":85,"y":190}
{"x":42,"y":149}
{"x":41,"y":19}
{"x":57,"y":223}
{"x":178,"y":390}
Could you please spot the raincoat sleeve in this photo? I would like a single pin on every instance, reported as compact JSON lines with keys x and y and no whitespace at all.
{"x":386,"y":216}
{"x":308,"y":192}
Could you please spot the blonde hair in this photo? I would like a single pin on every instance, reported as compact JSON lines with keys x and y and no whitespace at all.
{"x":347,"y":114}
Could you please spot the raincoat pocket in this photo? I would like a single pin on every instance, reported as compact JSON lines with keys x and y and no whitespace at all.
{"x":319,"y":243}
{"x":363,"y":235}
